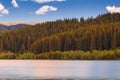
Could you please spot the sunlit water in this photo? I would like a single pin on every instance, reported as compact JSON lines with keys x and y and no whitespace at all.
{"x":59,"y":70}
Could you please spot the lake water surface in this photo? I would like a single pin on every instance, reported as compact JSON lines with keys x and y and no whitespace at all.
{"x":59,"y":70}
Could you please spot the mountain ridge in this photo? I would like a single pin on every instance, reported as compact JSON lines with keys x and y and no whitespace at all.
{"x":4,"y":28}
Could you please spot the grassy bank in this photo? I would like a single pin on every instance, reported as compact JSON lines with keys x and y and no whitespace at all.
{"x":68,"y":55}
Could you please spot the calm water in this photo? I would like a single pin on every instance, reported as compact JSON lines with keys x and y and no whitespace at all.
{"x":59,"y":70}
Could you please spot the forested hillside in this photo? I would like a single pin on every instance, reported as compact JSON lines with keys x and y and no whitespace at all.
{"x":100,"y":33}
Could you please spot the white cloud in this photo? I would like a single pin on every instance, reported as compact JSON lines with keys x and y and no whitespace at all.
{"x":1,"y":7}
{"x":113,"y":9}
{"x":45,"y":9}
{"x":14,"y":3}
{"x":45,"y":1}
{"x":3,"y":10}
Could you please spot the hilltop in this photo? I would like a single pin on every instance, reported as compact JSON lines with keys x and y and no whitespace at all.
{"x":4,"y":28}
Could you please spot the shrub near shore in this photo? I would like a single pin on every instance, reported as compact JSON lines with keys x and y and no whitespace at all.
{"x":67,"y":55}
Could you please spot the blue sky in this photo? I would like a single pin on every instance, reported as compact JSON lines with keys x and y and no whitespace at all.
{"x":47,"y":10}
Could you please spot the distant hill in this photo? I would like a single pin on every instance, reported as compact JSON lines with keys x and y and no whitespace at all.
{"x":18,"y":26}
{"x":4,"y":28}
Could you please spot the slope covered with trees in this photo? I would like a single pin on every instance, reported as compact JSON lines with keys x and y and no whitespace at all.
{"x":100,"y":33}
{"x":95,"y":37}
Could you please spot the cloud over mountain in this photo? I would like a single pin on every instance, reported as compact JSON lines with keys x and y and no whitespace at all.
{"x":45,"y":9}
{"x":113,"y":9}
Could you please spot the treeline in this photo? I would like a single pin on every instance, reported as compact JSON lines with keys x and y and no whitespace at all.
{"x":100,"y":33}
{"x":95,"y":37}
{"x":67,"y":55}
{"x":81,"y":55}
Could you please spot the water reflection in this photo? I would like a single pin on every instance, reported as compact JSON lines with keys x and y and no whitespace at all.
{"x":62,"y":70}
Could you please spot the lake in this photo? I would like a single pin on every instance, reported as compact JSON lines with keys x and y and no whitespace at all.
{"x":58,"y":70}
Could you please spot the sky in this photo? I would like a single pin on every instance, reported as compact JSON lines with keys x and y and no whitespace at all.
{"x":49,"y":10}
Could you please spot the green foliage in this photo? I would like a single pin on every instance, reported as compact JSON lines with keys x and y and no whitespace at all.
{"x":81,"y":55}
{"x":27,"y":55}
{"x":67,"y":55}
{"x":8,"y":55}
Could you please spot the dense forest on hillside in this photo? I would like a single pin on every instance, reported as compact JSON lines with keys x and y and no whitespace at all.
{"x":100,"y":33}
